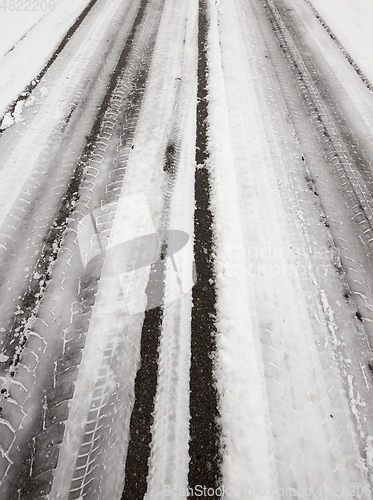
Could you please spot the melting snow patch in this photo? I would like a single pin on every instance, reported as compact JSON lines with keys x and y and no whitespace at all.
{"x":369,"y":451}
{"x":7,"y":122}
{"x":17,"y":114}
{"x":44,"y":92}
{"x":360,"y":464}
{"x":329,"y":314}
{"x":355,"y":402}
{"x":30,"y":102}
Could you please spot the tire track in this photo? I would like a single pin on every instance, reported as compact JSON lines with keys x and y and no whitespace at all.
{"x":335,"y":39}
{"x":340,"y":213}
{"x":348,"y":169}
{"x":25,"y":94}
{"x":138,"y":454}
{"x":86,"y":476}
{"x":66,"y":370}
{"x":139,"y":449}
{"x":33,"y":208}
{"x":335,"y":144}
{"x":346,"y":141}
{"x":83,"y":482}
{"x":41,"y":274}
{"x":33,"y":471}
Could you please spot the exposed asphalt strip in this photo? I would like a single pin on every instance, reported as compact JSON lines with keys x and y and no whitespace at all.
{"x":41,"y":275}
{"x":138,"y":453}
{"x":204,"y":445}
{"x":32,"y":85}
{"x":204,"y":429}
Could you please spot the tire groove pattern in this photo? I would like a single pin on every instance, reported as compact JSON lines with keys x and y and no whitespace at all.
{"x":34,"y":470}
{"x":31,"y":86}
{"x":334,"y":147}
{"x":336,"y":40}
{"x":85,"y":481}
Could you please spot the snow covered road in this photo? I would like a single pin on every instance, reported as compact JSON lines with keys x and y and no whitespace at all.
{"x":186,"y":255}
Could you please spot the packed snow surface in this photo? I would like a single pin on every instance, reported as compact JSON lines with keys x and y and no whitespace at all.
{"x":294,"y":399}
{"x":351,"y":22}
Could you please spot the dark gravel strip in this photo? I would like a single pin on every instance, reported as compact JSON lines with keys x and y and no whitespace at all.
{"x":204,"y":446}
{"x":138,"y":453}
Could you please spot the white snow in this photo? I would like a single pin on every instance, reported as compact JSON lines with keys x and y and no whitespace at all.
{"x":351,"y":22}
{"x":17,"y":113}
{"x":303,"y":400}
{"x":55,"y":100}
{"x":140,"y":210}
{"x":239,"y":372}
{"x":369,"y":451}
{"x":38,"y":35}
{"x":14,"y":25}
{"x":8,"y":121}
{"x":30,"y":102}
{"x":293,"y":399}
